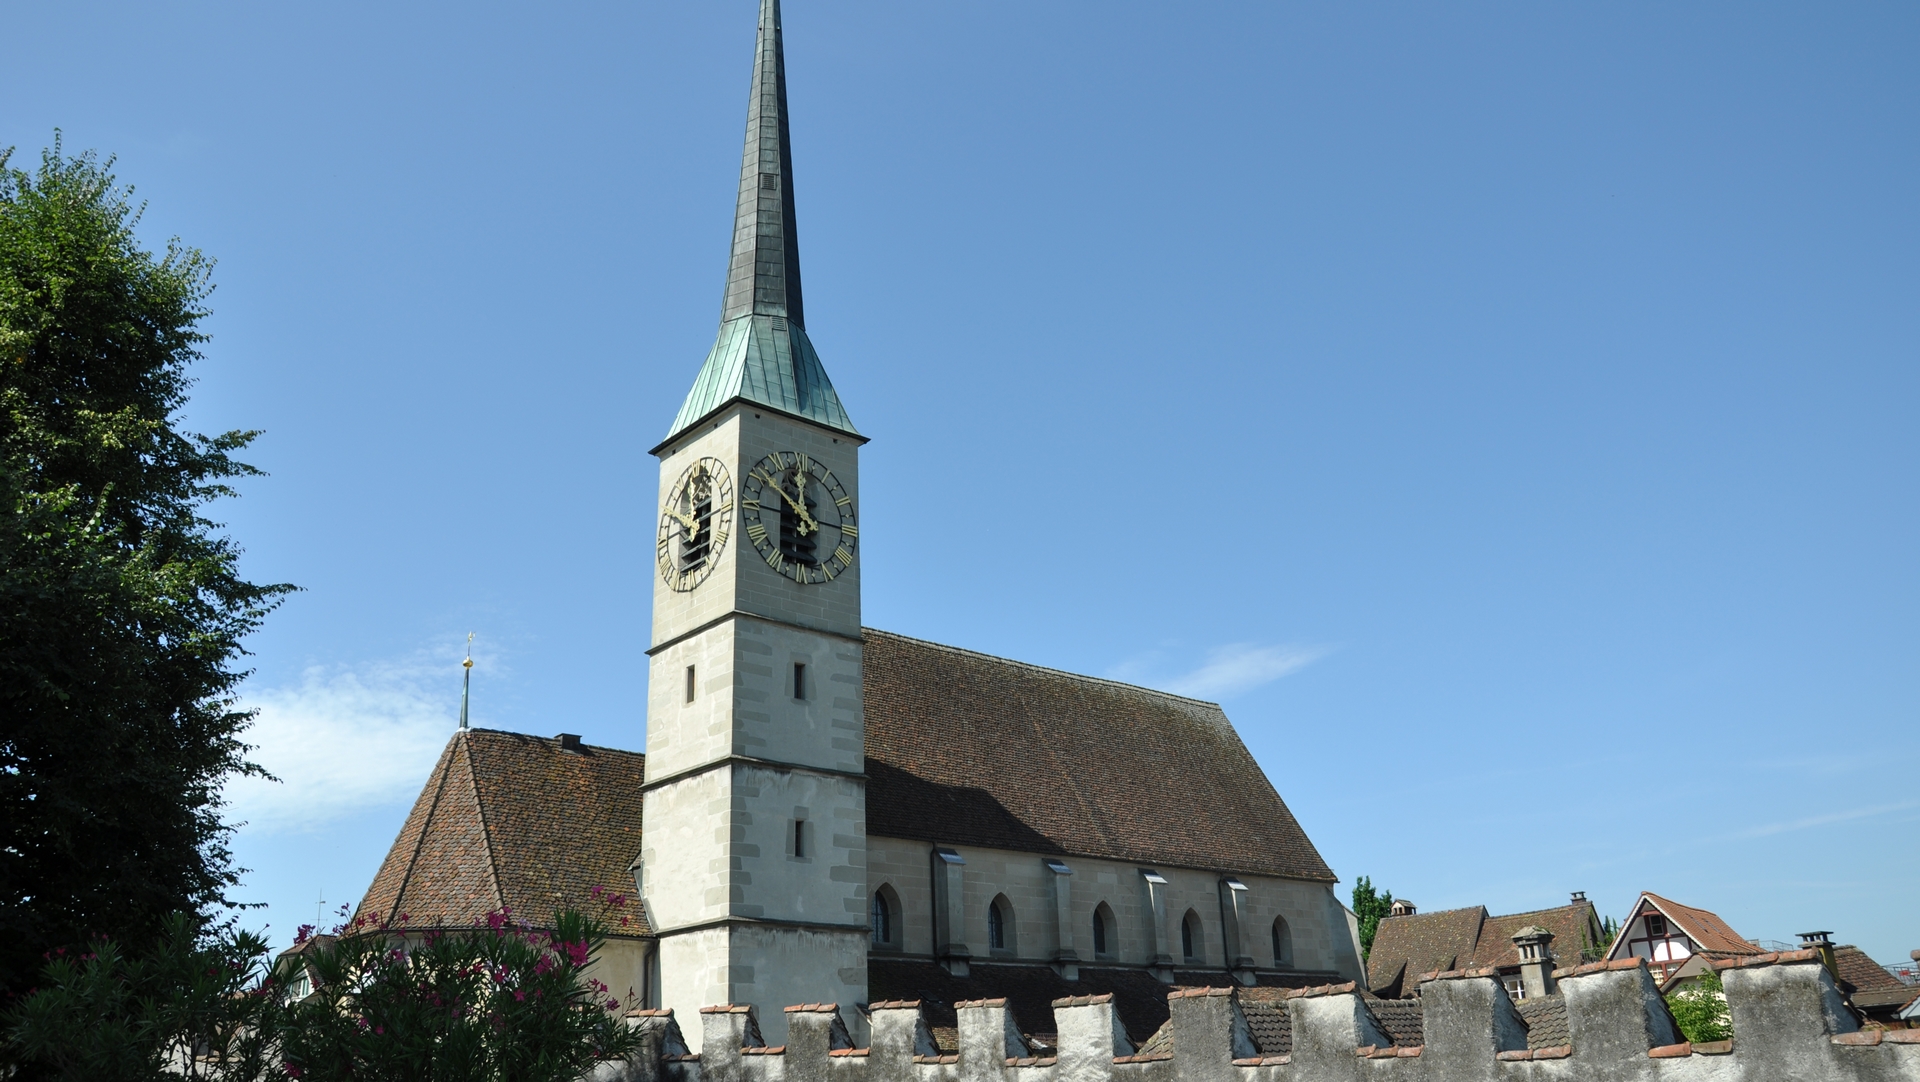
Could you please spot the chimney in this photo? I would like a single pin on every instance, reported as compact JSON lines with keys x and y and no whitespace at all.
{"x":1401,"y":908}
{"x":1579,"y":897}
{"x":1536,"y":961}
{"x":570,"y":742}
{"x":1823,"y":943}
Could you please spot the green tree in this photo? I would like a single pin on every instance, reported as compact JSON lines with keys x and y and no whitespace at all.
{"x":193,"y":1006}
{"x":1591,"y":951}
{"x":503,"y":1001}
{"x":122,"y":609}
{"x":379,"y":1004}
{"x":1700,"y":1009}
{"x":1369,"y":906}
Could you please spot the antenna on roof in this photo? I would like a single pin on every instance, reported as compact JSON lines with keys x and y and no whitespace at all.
{"x":466,"y":680}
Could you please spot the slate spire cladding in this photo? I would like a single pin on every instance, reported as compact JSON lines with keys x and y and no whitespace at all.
{"x":762,"y":353}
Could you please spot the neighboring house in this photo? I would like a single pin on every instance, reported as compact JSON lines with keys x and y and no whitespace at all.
{"x":1409,"y":943}
{"x":1676,"y":940}
{"x":291,"y":969}
{"x":1878,"y":995}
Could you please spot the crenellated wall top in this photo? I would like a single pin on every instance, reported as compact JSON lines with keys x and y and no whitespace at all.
{"x":1790,"y":1025}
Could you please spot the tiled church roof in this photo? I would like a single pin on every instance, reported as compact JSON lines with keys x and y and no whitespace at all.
{"x":969,"y":749}
{"x":515,"y":821}
{"x":962,"y":748}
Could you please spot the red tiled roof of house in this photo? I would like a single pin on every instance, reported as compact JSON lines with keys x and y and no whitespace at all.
{"x":1575,"y":928}
{"x":1708,"y":932}
{"x":1859,"y":973}
{"x":969,"y":749}
{"x":513,"y":821}
{"x":1405,"y":947}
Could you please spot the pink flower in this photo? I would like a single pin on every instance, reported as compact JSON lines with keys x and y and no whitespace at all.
{"x":597,"y":891}
{"x":519,"y":996}
{"x":613,"y":1004}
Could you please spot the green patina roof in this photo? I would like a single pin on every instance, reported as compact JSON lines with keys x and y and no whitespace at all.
{"x":761,"y":353}
{"x":768,"y":360}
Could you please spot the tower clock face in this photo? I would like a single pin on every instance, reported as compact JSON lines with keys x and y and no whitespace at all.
{"x":799,"y":518}
{"x":694,"y":524}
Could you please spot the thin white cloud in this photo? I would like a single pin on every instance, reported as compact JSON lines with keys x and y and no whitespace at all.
{"x":342,"y":741}
{"x":1828,"y":819}
{"x":1237,"y":667}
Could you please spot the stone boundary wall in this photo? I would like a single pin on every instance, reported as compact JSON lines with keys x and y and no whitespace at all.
{"x":1789,"y":1023}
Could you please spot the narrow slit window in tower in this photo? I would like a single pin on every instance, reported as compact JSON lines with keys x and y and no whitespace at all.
{"x":689,"y":683}
{"x":799,"y":680}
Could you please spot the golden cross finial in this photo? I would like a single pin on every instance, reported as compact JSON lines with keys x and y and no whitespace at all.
{"x":466,"y":680}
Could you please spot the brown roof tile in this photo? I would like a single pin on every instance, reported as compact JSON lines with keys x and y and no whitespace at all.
{"x":1405,"y":947}
{"x":1702,"y":926}
{"x":1421,"y":943}
{"x":1859,"y":973}
{"x":1402,"y":1019}
{"x":1546,"y":1018}
{"x":1574,"y":927}
{"x":507,"y":820}
{"x":970,"y":749}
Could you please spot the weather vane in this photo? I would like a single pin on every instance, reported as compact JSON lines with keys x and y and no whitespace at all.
{"x":466,"y":680}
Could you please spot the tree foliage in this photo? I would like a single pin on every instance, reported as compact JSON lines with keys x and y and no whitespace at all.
{"x":1591,"y":951}
{"x":1700,"y":1009}
{"x":122,"y":609}
{"x":191,"y":1006}
{"x":372,"y":1003}
{"x":502,"y":1002}
{"x":1369,"y":905}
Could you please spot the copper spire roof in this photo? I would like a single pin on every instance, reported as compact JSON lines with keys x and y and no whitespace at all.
{"x":762,"y":353}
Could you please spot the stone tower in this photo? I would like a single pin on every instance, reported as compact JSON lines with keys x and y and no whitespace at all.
{"x":753,"y":867}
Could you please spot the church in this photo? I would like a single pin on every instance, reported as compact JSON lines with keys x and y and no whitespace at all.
{"x":830,"y":813}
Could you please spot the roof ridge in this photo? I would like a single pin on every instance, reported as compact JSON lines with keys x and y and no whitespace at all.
{"x":1531,"y":912}
{"x":1121,"y":684}
{"x":486,"y":829}
{"x":1435,"y":912}
{"x":442,"y":768}
{"x":550,"y":740}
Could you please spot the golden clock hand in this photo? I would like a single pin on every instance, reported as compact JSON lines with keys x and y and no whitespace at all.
{"x":800,"y":484}
{"x":807,"y":525}
{"x":692,"y":524}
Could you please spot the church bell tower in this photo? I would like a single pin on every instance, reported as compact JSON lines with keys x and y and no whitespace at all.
{"x":754,"y":849}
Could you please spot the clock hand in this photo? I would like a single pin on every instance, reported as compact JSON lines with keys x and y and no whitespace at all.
{"x":807,"y":525}
{"x":800,"y":484}
{"x":692,"y":524}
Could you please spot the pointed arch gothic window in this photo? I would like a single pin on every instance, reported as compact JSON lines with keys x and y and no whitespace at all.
{"x":1104,"y":937}
{"x":1000,"y":925}
{"x":882,"y":918}
{"x":1282,"y":942}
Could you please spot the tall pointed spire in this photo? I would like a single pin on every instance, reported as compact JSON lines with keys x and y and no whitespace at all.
{"x":762,"y":353}
{"x":764,"y":275}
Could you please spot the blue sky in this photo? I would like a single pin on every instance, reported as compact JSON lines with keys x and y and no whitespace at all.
{"x":1506,"y":410}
